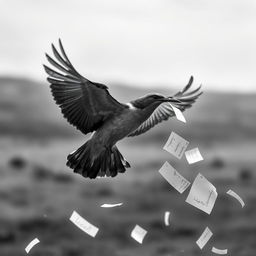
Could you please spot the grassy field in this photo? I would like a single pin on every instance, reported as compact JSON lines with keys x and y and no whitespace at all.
{"x":38,"y":192}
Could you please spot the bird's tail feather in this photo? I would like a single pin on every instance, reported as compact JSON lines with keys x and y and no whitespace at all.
{"x":108,"y":163}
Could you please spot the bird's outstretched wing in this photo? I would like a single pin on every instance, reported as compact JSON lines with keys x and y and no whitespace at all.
{"x":165,"y":111}
{"x":84,"y":104}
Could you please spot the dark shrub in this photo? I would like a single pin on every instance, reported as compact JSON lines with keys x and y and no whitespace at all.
{"x":7,"y":236}
{"x":157,"y":224}
{"x":217,"y":163}
{"x":164,"y":250}
{"x":72,"y":252}
{"x":17,"y":163}
{"x":42,"y":173}
{"x":185,"y":232}
{"x":245,"y":174}
{"x":62,"y":178}
{"x":104,"y":191}
{"x":34,"y":224}
{"x":19,"y":197}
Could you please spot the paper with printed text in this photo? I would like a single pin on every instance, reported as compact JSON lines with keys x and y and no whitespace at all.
{"x":204,"y":238}
{"x":174,"y":178}
{"x":110,"y":205}
{"x":179,"y":115}
{"x":202,"y":194}
{"x":237,"y":197}
{"x":31,"y":245}
{"x":83,"y":224}
{"x":219,"y":251}
{"x":138,"y":234}
{"x":193,"y":156}
{"x":176,"y":145}
{"x":167,"y":218}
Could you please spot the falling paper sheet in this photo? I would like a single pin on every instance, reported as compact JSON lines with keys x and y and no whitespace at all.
{"x":237,"y":197}
{"x":193,"y":156}
{"x":219,"y":251}
{"x":174,"y":178}
{"x":178,"y":114}
{"x":204,"y":238}
{"x":83,"y":224}
{"x":166,"y":218}
{"x":202,"y":194}
{"x":110,"y":205}
{"x":138,"y":234}
{"x":31,"y":245}
{"x":176,"y":145}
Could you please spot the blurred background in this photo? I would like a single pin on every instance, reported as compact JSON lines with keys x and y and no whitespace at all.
{"x":135,"y":47}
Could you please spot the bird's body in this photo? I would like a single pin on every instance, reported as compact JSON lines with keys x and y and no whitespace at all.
{"x":117,"y":127}
{"x":90,"y":107}
{"x":122,"y":124}
{"x":113,"y":130}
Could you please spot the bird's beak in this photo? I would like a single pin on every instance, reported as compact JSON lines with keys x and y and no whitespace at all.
{"x":171,"y":100}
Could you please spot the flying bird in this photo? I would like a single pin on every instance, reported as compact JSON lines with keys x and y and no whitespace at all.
{"x":90,"y":108}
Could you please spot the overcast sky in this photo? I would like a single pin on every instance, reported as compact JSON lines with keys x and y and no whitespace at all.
{"x":139,"y":42}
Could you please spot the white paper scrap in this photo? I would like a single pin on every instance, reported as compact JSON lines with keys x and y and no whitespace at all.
{"x":83,"y":224}
{"x":237,"y":197}
{"x":31,"y":245}
{"x":193,"y":156}
{"x":110,"y":205}
{"x":178,"y":114}
{"x":174,"y":178}
{"x":138,"y":234}
{"x":202,"y":194}
{"x":166,"y":218}
{"x":219,"y":251}
{"x":176,"y":145}
{"x":204,"y":238}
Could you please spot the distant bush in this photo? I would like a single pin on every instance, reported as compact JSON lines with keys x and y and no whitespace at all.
{"x":105,"y":191}
{"x":119,"y":235}
{"x":42,"y":173}
{"x":217,"y":163}
{"x":17,"y":162}
{"x":19,"y":200}
{"x":33,"y":224}
{"x":19,"y":196}
{"x":72,"y":251}
{"x":46,"y":251}
{"x":62,"y":178}
{"x":156,"y":224}
{"x":165,"y":187}
{"x":245,"y":174}
{"x":184,"y":232}
{"x":164,"y":250}
{"x":7,"y":236}
{"x":4,"y":195}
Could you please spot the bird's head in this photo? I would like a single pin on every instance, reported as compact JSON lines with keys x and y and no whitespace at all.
{"x":152,"y":100}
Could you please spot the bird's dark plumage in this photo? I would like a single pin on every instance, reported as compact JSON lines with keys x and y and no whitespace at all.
{"x":90,"y":107}
{"x":83,"y":103}
{"x":164,"y":111}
